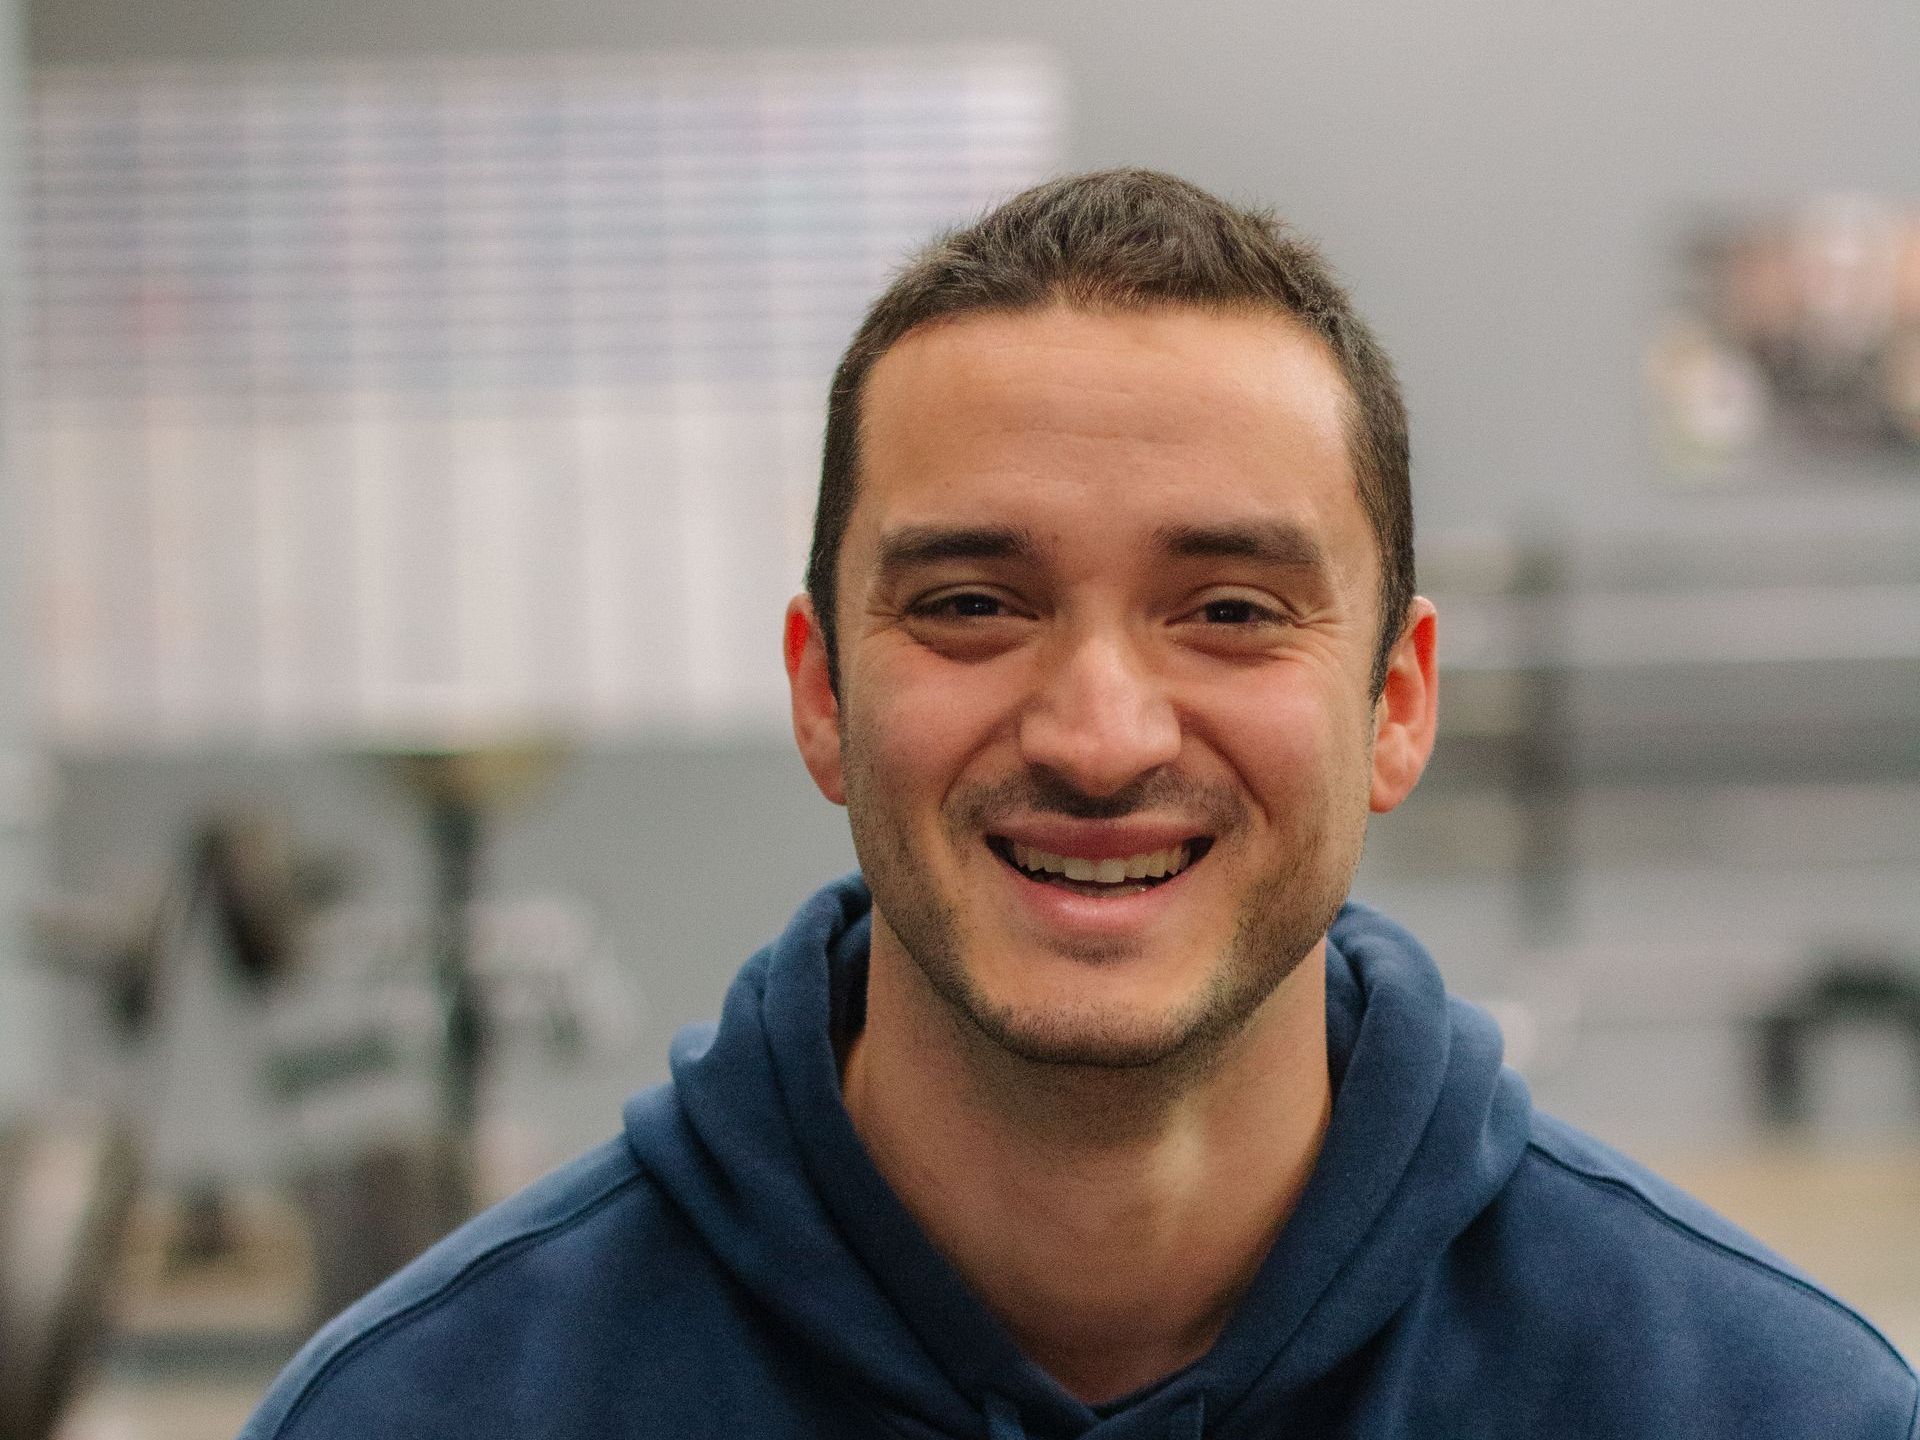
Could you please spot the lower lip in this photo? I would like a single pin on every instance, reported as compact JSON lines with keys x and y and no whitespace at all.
{"x":1093,"y":915}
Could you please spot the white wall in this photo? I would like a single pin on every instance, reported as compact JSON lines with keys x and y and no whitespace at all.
{"x":1502,"y":183}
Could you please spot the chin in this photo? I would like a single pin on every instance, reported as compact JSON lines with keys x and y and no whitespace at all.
{"x":1117,"y":1031}
{"x":1086,"y":1040}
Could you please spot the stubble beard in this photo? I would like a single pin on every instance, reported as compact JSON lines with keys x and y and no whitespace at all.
{"x":1281,"y":919}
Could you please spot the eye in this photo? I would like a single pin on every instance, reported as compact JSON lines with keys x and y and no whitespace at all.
{"x":972,"y":605}
{"x":1234,"y":620}
{"x":967,"y":624}
{"x":1233,"y":612}
{"x":959,"y":605}
{"x":1238,"y":610}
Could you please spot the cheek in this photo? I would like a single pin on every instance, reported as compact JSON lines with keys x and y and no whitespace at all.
{"x":1287,"y":745}
{"x":920,"y":731}
{"x":1275,"y":726}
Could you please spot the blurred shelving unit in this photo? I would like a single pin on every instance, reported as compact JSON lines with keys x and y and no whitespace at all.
{"x":1615,"y":698}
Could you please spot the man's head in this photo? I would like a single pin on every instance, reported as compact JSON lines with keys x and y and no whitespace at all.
{"x":1111,"y":703}
{"x":1129,"y":240}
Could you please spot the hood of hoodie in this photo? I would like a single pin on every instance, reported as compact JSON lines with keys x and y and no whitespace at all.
{"x":752,"y":1142}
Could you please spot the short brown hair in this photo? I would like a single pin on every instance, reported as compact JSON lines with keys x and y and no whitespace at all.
{"x":1129,"y":240}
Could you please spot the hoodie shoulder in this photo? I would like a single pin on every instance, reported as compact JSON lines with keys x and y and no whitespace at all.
{"x":403,"y":1336}
{"x":1654,"y":1295}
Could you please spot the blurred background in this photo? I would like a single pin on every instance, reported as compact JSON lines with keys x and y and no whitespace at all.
{"x":408,"y":431}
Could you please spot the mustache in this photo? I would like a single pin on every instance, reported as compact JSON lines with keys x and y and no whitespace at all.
{"x":1216,"y":808}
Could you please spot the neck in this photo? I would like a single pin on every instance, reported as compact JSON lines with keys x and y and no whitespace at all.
{"x":1112,"y":1219}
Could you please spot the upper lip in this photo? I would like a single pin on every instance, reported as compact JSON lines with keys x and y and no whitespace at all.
{"x":1096,"y":839}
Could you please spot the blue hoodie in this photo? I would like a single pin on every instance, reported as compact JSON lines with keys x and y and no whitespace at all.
{"x":734,"y":1266}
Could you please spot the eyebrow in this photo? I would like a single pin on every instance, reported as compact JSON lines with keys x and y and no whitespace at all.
{"x":1274,"y":543}
{"x":913,"y":546}
{"x":1271,"y":542}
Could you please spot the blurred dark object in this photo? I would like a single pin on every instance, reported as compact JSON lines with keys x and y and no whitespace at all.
{"x":391,"y":1197}
{"x":260,"y":894}
{"x":239,"y":873}
{"x":1541,"y":756}
{"x":371,"y":1214}
{"x":1807,"y":322}
{"x":459,"y":791}
{"x":66,"y":1190}
{"x":294,"y":1072}
{"x":1846,"y":986}
{"x":205,"y":1232}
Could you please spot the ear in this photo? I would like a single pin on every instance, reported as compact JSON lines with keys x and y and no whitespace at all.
{"x":816,"y":711}
{"x":1405,"y":716}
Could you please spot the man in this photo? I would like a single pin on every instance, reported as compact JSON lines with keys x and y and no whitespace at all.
{"x":1104,"y":1116}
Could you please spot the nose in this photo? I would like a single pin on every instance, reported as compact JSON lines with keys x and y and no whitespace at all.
{"x":1099,"y":718}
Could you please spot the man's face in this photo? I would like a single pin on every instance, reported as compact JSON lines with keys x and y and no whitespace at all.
{"x":1104,"y":729}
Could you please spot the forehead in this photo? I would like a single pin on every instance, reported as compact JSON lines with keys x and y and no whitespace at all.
{"x":1103,"y":424}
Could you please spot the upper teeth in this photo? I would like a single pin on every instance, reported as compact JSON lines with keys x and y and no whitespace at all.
{"x":1148,"y":866}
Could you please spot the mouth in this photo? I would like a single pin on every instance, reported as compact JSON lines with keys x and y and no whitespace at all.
{"x":1115,"y":876}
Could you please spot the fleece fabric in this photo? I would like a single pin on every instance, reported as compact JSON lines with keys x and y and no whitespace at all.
{"x":734,"y":1266}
